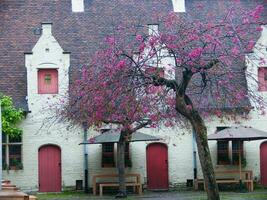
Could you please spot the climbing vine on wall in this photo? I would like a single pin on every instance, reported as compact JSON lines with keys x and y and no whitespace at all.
{"x":11,"y":116}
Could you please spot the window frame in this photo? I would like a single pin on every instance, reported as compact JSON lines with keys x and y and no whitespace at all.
{"x":230,"y":151}
{"x":105,"y":155}
{"x":222,"y":153}
{"x":127,"y":156}
{"x":7,"y":145}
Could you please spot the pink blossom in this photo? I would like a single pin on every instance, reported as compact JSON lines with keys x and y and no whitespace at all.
{"x":195,"y":53}
{"x":139,"y":38}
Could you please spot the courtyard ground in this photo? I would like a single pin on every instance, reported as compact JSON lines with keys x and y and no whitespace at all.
{"x":174,"y":195}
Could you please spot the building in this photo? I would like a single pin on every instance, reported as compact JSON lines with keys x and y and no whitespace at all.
{"x":46,"y":42}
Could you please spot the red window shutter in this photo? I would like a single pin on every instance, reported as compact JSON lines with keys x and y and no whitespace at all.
{"x":262,"y":78}
{"x":47,"y":81}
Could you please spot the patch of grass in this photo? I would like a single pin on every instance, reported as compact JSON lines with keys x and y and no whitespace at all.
{"x":62,"y":195}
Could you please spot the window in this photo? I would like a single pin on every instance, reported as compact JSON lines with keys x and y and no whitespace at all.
{"x":77,"y":5}
{"x":108,"y":155}
{"x":228,"y":151}
{"x":47,"y":81}
{"x":153,"y":29}
{"x":262,"y":78}
{"x":223,"y":153}
{"x":108,"y":159}
{"x":128,"y":162}
{"x":178,"y":5}
{"x":235,"y":152}
{"x":11,"y":152}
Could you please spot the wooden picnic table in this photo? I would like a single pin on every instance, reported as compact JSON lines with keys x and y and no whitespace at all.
{"x":111,"y":180}
{"x":231,"y":177}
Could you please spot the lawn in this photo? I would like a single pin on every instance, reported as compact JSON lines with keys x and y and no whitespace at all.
{"x":192,"y":195}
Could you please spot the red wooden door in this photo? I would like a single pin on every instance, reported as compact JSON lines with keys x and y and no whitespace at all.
{"x":263,"y":165}
{"x":157,"y":166}
{"x":49,"y":169}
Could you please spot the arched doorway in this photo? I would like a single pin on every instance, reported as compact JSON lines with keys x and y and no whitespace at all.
{"x":263,"y":163}
{"x":49,"y":171}
{"x":157,"y":166}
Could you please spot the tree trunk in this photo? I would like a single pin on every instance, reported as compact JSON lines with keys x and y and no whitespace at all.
{"x":121,"y":167}
{"x":204,"y":156}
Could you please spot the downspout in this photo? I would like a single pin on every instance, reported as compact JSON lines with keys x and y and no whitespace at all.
{"x":194,"y":154}
{"x":85,"y":152}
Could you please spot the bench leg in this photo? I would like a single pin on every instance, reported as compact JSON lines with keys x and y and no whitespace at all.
{"x":139,"y":189}
{"x":134,"y":189}
{"x":196,"y":185}
{"x":94,"y":190}
{"x":100,"y":190}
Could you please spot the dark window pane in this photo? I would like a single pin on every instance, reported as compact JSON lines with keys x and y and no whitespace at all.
{"x":108,"y":155}
{"x":15,"y":139}
{"x":3,"y":138}
{"x":4,"y":156}
{"x":128,"y":162}
{"x":108,"y":147}
{"x":236,"y":147}
{"x":14,"y":155}
{"x":222,"y":153}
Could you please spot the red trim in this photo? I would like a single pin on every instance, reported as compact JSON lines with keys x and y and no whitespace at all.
{"x":263,"y":163}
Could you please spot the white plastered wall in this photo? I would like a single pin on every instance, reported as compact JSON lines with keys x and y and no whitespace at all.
{"x":40,"y":127}
{"x":179,"y":141}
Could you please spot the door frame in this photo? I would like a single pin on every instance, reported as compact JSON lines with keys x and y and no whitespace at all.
{"x":263,"y":143}
{"x":60,"y":174}
{"x":167,"y":150}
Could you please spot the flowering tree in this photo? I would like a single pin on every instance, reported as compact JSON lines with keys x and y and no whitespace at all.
{"x":96,"y":99}
{"x":190,"y":70}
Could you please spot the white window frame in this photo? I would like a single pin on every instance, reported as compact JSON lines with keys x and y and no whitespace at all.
{"x":77,"y":5}
{"x":153,"y":29}
{"x":178,"y":5}
{"x":7,"y":144}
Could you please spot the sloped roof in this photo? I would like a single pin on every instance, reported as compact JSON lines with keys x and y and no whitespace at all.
{"x":78,"y":33}
{"x":114,"y":136}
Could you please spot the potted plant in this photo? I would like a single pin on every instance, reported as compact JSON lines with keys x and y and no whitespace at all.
{"x":15,"y":164}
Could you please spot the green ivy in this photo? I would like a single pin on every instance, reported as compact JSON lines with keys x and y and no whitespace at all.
{"x":10,"y":116}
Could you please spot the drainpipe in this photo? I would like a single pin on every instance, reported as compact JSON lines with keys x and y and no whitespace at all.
{"x":194,"y":154}
{"x":85,"y":152}
{"x":1,"y":171}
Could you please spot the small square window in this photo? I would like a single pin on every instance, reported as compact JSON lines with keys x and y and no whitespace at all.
{"x":178,"y":5}
{"x":47,"y":81}
{"x":153,"y":29}
{"x":77,"y":5}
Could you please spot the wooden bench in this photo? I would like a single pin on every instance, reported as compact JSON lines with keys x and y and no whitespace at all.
{"x":136,"y":183}
{"x":230,"y":177}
